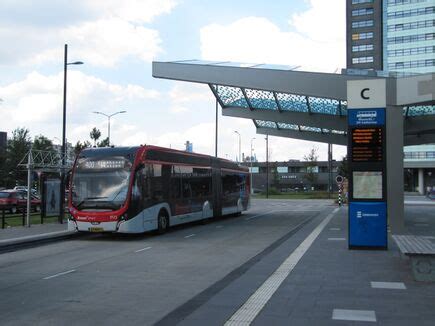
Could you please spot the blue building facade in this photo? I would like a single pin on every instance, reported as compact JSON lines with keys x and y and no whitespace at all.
{"x":409,"y":36}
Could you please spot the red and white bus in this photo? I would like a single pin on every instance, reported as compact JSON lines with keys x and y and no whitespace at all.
{"x":144,"y":188}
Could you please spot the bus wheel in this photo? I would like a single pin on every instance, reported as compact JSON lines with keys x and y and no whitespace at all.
{"x":163,"y":222}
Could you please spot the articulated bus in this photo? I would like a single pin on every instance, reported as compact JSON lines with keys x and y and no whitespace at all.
{"x":144,"y":188}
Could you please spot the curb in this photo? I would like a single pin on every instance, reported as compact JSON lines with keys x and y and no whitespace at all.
{"x":22,"y":242}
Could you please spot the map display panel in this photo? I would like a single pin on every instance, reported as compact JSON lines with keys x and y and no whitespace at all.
{"x":367,"y":184}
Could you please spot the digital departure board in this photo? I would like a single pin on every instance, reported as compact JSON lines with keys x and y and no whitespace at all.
{"x":367,"y":144}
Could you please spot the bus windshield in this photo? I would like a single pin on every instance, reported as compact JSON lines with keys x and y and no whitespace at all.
{"x":100,"y":183}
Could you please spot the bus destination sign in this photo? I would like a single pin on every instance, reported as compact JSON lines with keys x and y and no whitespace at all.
{"x":367,"y":144}
{"x":103,"y":164}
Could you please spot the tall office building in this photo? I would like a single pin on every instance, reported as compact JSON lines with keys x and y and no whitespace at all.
{"x":409,"y":41}
{"x":364,"y":47}
{"x":395,"y":37}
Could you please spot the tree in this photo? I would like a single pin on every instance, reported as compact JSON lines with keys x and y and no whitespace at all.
{"x":42,"y":143}
{"x":311,"y":165}
{"x":104,"y":142}
{"x":18,"y":147}
{"x":79,"y":146}
{"x":95,"y":134}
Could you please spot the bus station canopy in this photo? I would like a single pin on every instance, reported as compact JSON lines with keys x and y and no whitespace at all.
{"x":283,"y":101}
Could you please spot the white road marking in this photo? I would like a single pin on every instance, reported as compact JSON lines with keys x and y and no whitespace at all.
{"x":143,"y":249}
{"x":354,"y":315}
{"x":334,"y":229}
{"x":189,"y":236}
{"x":59,"y":274}
{"x":336,"y":239}
{"x":429,"y":237}
{"x":388,"y":285}
{"x":252,"y":307}
{"x":219,"y":226}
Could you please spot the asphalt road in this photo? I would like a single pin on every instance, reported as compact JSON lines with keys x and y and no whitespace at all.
{"x":138,"y":280}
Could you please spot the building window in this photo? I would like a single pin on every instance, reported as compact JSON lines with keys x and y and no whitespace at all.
{"x":408,"y":26}
{"x":411,"y":51}
{"x":411,"y":12}
{"x":362,"y":47}
{"x":403,"y":2}
{"x":412,"y":64}
{"x":362,"y":36}
{"x":362,"y":12}
{"x":411,"y":38}
{"x":362,"y":23}
{"x":356,"y":2}
{"x":362,"y":60}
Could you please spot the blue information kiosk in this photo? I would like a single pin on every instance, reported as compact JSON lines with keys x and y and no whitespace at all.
{"x":367,"y":174}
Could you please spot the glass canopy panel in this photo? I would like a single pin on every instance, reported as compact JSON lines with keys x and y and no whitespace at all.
{"x":343,"y":107}
{"x":312,"y":129}
{"x":266,"y":124}
{"x":231,"y":96}
{"x":421,"y":110}
{"x":282,"y":125}
{"x":261,"y":99}
{"x":324,"y":105}
{"x":291,"y":102}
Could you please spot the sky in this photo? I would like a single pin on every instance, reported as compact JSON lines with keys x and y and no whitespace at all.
{"x":118,"y":40}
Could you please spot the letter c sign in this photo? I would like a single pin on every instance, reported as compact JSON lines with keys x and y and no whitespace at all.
{"x":363,"y":94}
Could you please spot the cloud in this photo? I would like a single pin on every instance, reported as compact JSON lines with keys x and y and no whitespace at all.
{"x":318,"y":42}
{"x":138,"y":11}
{"x":112,"y":32}
{"x":36,"y":102}
{"x":314,"y":40}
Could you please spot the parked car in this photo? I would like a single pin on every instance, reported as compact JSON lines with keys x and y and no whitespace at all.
{"x":14,"y":201}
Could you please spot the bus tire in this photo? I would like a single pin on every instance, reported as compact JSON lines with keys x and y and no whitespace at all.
{"x":162,"y":222}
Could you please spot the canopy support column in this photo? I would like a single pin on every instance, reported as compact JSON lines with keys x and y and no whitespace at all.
{"x":394,"y":168}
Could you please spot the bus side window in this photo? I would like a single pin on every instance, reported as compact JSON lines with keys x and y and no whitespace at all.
{"x":187,"y":191}
{"x":175,"y":182}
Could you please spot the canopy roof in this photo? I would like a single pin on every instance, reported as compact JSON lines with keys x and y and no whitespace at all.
{"x":283,"y":101}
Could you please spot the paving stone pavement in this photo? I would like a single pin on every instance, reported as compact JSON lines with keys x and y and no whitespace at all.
{"x":331,"y":277}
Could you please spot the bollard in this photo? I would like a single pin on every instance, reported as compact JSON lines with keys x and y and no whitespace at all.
{"x":339,"y":195}
{"x":24,"y":217}
{"x":3,"y":218}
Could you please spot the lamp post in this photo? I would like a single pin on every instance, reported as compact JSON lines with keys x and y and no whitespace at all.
{"x":62,"y":176}
{"x":250,"y":159}
{"x":108,"y":116}
{"x":240,"y":145}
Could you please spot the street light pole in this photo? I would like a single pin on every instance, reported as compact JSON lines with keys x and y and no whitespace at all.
{"x":240,"y":145}
{"x":250,"y":159}
{"x":267,"y":166}
{"x":62,"y":174}
{"x":108,"y":116}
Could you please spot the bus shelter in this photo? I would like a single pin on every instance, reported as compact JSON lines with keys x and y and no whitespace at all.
{"x":283,"y":101}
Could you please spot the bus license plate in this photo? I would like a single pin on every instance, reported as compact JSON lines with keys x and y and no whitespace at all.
{"x":94,"y":229}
